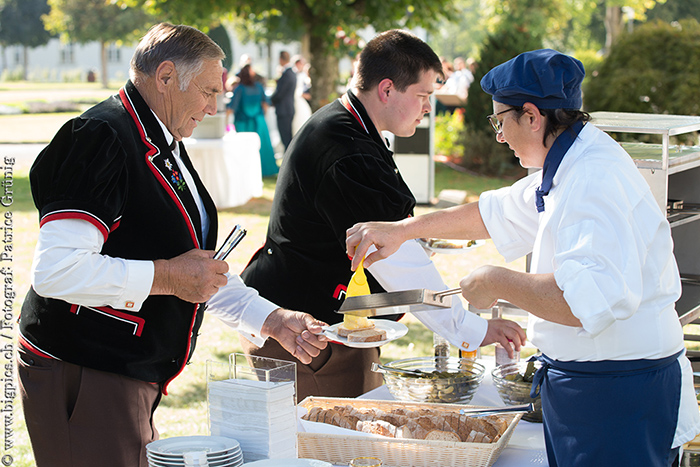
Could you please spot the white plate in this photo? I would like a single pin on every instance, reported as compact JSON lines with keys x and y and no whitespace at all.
{"x":175,"y":447}
{"x":463,"y":249}
{"x":289,"y":463}
{"x":181,"y":459}
{"x":394,"y":330}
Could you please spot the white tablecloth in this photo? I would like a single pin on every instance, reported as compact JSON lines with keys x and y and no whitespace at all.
{"x":526,"y":446}
{"x":228,"y":166}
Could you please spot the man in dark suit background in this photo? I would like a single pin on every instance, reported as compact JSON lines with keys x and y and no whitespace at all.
{"x":283,"y":99}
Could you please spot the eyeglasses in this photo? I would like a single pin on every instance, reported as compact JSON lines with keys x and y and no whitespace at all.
{"x":493,"y":120}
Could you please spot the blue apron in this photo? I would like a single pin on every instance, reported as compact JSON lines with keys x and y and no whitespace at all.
{"x":609,"y":413}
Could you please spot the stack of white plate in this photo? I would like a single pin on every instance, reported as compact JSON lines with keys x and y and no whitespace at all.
{"x":194,"y":451}
{"x":260,"y":415}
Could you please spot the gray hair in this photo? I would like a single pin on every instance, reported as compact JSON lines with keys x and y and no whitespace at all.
{"x":187,"y":47}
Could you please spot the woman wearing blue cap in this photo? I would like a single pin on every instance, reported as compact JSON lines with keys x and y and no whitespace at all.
{"x":616,"y":385}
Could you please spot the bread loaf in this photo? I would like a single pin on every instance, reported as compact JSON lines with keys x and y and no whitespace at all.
{"x":425,"y":424}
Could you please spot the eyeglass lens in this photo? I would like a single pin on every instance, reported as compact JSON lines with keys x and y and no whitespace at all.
{"x":493,"y":120}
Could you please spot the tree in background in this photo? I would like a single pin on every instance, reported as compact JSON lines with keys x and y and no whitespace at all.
{"x":517,"y":26}
{"x":675,"y":10}
{"x":483,"y":154}
{"x":265,"y":28}
{"x":654,"y":70}
{"x":463,"y":34}
{"x":103,"y":21}
{"x":220,"y":36}
{"x":20,"y":24}
{"x":328,"y":25}
{"x":618,"y":13}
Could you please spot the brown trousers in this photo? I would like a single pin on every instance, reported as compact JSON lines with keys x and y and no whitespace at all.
{"x":339,"y":371}
{"x":79,"y":417}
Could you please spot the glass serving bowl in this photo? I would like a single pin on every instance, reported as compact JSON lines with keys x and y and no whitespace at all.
{"x":514,"y":391}
{"x":449,"y":380}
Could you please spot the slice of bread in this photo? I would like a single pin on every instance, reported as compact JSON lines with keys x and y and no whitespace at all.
{"x":367,"y":335}
{"x":439,"y":435}
{"x":344,"y":331}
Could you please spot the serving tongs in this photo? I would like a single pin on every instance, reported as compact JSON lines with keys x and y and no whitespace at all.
{"x":379,"y":368}
{"x":521,"y":408}
{"x":404,"y":301}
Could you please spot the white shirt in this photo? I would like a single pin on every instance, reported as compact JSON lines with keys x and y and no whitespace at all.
{"x":609,"y":246}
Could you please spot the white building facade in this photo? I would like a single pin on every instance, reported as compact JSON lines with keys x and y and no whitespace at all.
{"x":58,"y":61}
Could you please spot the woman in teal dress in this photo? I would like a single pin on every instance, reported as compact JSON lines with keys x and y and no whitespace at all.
{"x":249,"y":104}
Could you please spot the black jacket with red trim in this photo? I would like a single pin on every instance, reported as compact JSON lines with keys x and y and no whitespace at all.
{"x":112,"y":167}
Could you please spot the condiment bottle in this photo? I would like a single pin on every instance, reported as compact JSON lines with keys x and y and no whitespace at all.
{"x":441,"y":346}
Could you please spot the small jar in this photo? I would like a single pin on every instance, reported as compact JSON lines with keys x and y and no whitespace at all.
{"x":502,"y":357}
{"x":441,"y":346}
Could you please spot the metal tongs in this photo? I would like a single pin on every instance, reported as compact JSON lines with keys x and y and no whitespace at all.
{"x":390,"y":303}
{"x":233,"y":239}
{"x":379,"y":368}
{"x":522,"y":408}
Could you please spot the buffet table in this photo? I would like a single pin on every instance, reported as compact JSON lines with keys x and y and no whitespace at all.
{"x":526,"y":446}
{"x":228,"y":166}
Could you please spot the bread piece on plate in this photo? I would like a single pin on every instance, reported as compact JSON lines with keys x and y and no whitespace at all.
{"x":368,"y":335}
{"x":439,"y":435}
{"x":344,"y":331}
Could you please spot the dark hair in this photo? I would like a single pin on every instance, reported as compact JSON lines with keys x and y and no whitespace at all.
{"x":397,"y":55}
{"x":245,"y":76}
{"x":558,"y":119}
{"x":185,"y":46}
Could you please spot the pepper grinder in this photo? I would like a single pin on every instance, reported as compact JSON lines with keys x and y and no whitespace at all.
{"x":442,"y":352}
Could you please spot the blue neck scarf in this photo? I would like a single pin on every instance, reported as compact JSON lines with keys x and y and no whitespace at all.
{"x":551,"y":162}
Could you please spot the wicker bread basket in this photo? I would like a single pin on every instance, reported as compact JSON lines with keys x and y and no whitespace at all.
{"x":340,"y":449}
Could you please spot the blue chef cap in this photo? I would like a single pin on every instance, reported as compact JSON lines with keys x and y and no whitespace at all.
{"x":545,"y":77}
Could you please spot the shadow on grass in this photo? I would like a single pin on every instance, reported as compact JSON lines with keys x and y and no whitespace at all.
{"x":192,"y":396}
